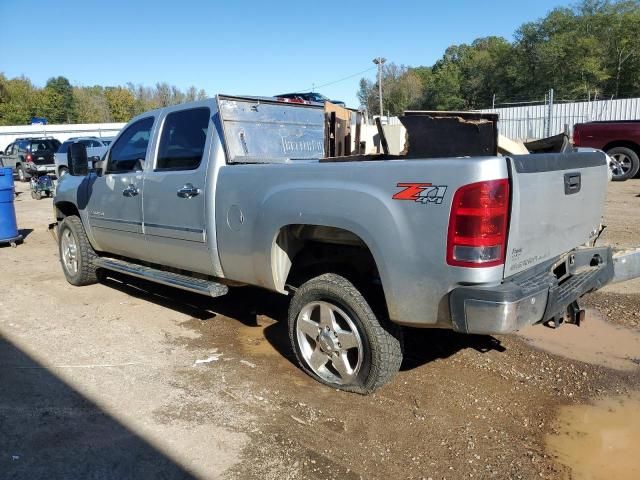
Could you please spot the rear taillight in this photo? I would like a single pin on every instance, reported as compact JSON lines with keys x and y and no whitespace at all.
{"x":478,"y":224}
{"x":576,"y":135}
{"x":29,"y":158}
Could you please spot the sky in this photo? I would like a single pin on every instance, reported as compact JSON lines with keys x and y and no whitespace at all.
{"x":243,"y":47}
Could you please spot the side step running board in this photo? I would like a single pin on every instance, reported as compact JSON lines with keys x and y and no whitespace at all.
{"x":184,"y":282}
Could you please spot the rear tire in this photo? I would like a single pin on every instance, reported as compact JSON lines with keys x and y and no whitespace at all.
{"x":338,"y":339}
{"x":22,"y":174}
{"x":628,"y":161}
{"x":76,"y":253}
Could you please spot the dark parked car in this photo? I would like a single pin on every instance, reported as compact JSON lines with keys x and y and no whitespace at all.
{"x":619,"y":139}
{"x":29,"y":156}
{"x":312,"y":97}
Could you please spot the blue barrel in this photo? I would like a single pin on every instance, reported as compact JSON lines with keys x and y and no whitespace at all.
{"x":8,"y":224}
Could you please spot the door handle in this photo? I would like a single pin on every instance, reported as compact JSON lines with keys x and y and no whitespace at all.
{"x":188,"y":191}
{"x":130,"y":191}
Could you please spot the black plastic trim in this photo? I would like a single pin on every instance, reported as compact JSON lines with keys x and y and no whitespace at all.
{"x":551,"y":162}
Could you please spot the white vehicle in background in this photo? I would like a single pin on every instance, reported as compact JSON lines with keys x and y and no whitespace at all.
{"x":96,"y":147}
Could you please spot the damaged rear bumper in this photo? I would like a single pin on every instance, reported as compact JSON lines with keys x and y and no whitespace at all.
{"x":544,"y":293}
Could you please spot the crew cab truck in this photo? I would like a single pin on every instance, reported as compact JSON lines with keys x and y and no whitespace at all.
{"x":619,"y":139}
{"x":209,"y":195}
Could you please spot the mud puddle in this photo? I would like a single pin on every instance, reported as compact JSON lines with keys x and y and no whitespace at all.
{"x":253,"y":339}
{"x":596,"y":342}
{"x":599,"y":441}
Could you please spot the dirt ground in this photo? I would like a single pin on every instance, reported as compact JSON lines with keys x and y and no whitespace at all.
{"x":125,"y":379}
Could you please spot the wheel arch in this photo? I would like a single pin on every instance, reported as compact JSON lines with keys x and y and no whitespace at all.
{"x":623,"y":143}
{"x":302,"y":251}
{"x":66,"y":209}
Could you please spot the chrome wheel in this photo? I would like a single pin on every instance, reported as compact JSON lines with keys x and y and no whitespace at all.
{"x":621,"y":164}
{"x":329,"y":342}
{"x":69,"y":251}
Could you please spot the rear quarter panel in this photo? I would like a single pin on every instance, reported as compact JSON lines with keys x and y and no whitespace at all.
{"x":407,"y":238}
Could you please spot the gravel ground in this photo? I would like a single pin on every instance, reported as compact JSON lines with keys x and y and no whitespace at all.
{"x":103,"y":382}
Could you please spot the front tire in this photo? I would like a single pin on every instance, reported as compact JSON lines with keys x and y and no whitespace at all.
{"x":338,"y":339}
{"x":627,"y":163}
{"x":76,"y":253}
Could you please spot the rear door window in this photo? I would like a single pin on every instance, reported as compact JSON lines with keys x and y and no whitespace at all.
{"x":183,"y":138}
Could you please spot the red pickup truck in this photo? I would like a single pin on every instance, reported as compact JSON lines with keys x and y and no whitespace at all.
{"x":619,"y":139}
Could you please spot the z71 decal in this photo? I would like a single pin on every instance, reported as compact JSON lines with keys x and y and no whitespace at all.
{"x":421,"y":192}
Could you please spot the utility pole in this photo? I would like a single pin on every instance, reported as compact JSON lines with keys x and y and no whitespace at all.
{"x":379,"y":61}
{"x":550,"y":112}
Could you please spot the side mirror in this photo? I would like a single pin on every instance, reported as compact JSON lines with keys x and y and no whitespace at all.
{"x":1,"y":152}
{"x":77,"y":160}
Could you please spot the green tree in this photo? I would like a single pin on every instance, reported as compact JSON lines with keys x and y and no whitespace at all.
{"x":590,"y":48}
{"x":57,"y":101}
{"x":19,"y":101}
{"x":400,"y":89}
{"x":91,"y":105}
{"x":121,"y":103}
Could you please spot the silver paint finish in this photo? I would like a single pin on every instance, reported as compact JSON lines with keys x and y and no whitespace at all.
{"x":546,"y":222}
{"x":407,"y":238}
{"x":174,"y":222}
{"x":243,"y":208}
{"x":183,"y":282}
{"x":488,"y":318}
{"x":262,"y":131}
{"x":168,"y":235}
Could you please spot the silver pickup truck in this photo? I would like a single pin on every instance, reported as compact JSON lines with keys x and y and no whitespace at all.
{"x":238,"y":191}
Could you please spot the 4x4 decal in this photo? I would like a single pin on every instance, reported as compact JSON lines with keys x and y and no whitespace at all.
{"x":421,"y":192}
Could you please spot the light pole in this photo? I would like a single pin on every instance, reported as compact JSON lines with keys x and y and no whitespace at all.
{"x":379,"y":61}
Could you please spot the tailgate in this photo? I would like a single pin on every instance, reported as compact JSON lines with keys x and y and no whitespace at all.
{"x":557,"y":205}
{"x":42,"y":157}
